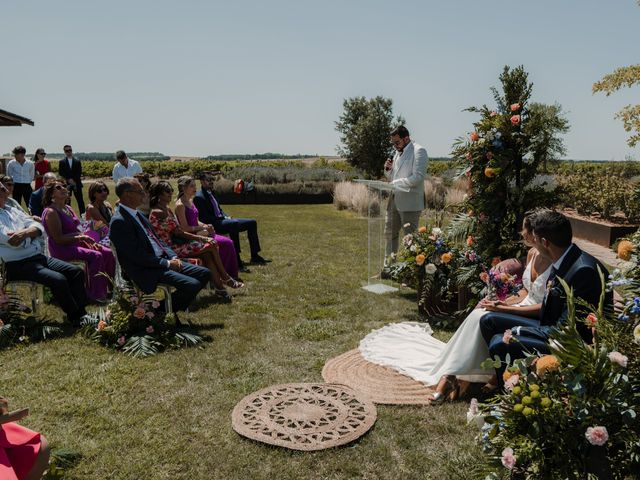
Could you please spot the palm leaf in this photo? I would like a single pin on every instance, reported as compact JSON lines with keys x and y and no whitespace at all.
{"x":188,"y":339}
{"x":460,"y":227}
{"x":139,"y":347}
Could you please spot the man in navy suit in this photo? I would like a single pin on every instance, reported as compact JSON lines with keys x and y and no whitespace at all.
{"x":144,"y":257}
{"x":35,"y":200}
{"x":210,"y":212}
{"x":553,"y":239}
{"x":70,"y":169}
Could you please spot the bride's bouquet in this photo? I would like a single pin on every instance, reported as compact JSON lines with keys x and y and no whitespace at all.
{"x":500,"y":284}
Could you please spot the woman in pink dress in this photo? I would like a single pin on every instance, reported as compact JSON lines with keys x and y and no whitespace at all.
{"x":187,"y":215}
{"x":185,"y":244}
{"x":24,"y":454}
{"x":68,"y":243}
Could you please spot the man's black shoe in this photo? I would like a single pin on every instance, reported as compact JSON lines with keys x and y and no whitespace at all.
{"x":385,"y":274}
{"x":258,"y":260}
{"x":242,"y":267}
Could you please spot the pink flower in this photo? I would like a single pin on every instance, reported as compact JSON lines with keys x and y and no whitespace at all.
{"x":597,"y":435}
{"x":121,"y":340}
{"x":508,"y":335}
{"x":508,"y":458}
{"x":620,"y":359}
{"x":515,"y":107}
{"x":150,"y":314}
{"x":591,"y":320}
{"x":4,"y":298}
{"x":134,"y":299}
{"x":512,"y":381}
{"x":515,"y":120}
{"x":489,"y":155}
{"x":139,"y":312}
{"x":493,"y":113}
{"x":155,"y":304}
{"x":150,"y":329}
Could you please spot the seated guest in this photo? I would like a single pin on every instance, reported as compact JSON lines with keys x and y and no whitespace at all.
{"x":99,"y":213}
{"x":21,"y":250}
{"x":124,"y":167}
{"x":144,"y":257}
{"x":185,"y":244}
{"x":187,"y":215}
{"x":210,"y":212}
{"x":67,"y":242}
{"x":35,"y":200}
{"x":24,"y":454}
{"x":552,"y":238}
{"x":7,"y":181}
{"x":145,"y":181}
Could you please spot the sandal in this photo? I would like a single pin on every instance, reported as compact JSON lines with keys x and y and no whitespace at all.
{"x":450,"y":391}
{"x":233,"y":283}
{"x":222,"y":294}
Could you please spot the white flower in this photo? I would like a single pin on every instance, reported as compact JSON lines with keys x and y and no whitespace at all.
{"x":407,"y":240}
{"x":430,"y":268}
{"x":473,"y":414}
{"x":413,"y":248}
{"x":406,"y":225}
{"x":436,"y":231}
{"x":489,"y":136}
{"x":620,"y":359}
{"x":636,"y":334}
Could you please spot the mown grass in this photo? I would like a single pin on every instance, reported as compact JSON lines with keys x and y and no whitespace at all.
{"x":168,"y":417}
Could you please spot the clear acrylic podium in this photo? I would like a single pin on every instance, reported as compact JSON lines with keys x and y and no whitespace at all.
{"x":375,"y":237}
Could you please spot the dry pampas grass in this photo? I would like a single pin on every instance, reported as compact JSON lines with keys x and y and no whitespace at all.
{"x":355,"y":197}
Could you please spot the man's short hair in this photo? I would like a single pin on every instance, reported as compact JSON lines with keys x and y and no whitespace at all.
{"x":66,"y":147}
{"x":124,"y":185}
{"x":553,"y":226}
{"x":19,"y":149}
{"x":49,"y":176}
{"x":120,"y":155}
{"x":401,"y":131}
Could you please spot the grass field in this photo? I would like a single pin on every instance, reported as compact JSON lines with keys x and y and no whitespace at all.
{"x":168,"y":417}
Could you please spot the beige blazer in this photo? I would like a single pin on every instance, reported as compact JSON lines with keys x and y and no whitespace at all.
{"x":408,"y":173}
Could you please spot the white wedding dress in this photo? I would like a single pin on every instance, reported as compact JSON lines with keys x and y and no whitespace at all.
{"x":409,"y":348}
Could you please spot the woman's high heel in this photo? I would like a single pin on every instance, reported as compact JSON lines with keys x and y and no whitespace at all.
{"x":450,"y":391}
{"x":233,"y":283}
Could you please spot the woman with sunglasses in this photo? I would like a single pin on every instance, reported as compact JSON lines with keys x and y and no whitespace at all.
{"x":99,"y":212}
{"x":67,"y":242}
{"x":186,"y":244}
{"x":41,"y":165}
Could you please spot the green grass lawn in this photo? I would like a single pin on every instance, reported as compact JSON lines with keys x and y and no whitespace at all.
{"x":168,"y":417}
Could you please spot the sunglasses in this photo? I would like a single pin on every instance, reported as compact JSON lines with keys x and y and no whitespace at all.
{"x":102,"y":190}
{"x":42,"y":153}
{"x":68,"y":151}
{"x":60,"y":187}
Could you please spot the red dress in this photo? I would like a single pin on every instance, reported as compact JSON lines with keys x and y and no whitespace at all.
{"x":42,"y":167}
{"x":19,"y":449}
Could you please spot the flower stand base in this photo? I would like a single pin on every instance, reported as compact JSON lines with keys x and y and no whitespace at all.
{"x":379,"y":288}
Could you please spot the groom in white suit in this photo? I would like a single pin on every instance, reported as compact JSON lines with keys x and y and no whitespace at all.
{"x":406,"y":171}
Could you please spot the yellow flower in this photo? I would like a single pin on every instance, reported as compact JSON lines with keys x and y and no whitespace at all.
{"x":422,"y":230}
{"x":420,"y":258}
{"x":446,"y":257}
{"x":625,"y":249}
{"x":546,"y":364}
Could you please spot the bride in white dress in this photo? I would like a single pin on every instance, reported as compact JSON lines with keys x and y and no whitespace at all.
{"x":410,"y":349}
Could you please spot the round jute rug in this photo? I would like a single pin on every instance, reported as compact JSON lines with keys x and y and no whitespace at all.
{"x":304,"y":416}
{"x":380,"y":384}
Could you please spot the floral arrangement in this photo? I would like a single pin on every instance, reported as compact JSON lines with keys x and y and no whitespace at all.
{"x":18,"y":324}
{"x":501,"y":157}
{"x":499,"y":284}
{"x":135,"y":326}
{"x":573,"y":413}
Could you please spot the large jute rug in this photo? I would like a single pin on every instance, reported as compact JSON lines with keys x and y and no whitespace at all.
{"x":304,"y":416}
{"x":380,"y":384}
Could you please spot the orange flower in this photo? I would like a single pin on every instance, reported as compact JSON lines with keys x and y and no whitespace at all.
{"x":515,"y":120}
{"x":102,"y":325}
{"x":495,"y":261}
{"x":1,"y":323}
{"x":139,"y":312}
{"x":420,"y":258}
{"x":504,"y":277}
{"x":506,"y":375}
{"x":489,"y":172}
{"x":484,"y":276}
{"x":470,"y":240}
{"x":446,"y":257}
{"x":474,"y":136}
{"x":545,"y":364}
{"x":515,"y":107}
{"x":591,"y":320}
{"x":422,"y":230}
{"x":625,"y":249}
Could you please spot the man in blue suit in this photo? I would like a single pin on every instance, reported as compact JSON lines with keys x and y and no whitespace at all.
{"x":553,"y":239}
{"x":210,"y":212}
{"x":144,"y":257}
{"x":35,"y":200}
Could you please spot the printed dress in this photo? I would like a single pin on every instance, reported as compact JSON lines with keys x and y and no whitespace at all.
{"x":165,"y":228}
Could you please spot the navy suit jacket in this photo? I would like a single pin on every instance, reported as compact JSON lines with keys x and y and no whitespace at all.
{"x":206,"y":213}
{"x":75,"y":172}
{"x":135,"y":253}
{"x":35,"y":202}
{"x":580,"y":271}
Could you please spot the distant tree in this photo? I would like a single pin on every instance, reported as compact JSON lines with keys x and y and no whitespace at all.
{"x":365,"y":126}
{"x":630,"y":115}
{"x":546,"y":124}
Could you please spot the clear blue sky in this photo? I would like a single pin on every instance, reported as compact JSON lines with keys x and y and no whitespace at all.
{"x":210,"y":77}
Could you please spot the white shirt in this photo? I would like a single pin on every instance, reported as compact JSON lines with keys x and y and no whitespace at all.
{"x":70,"y":161}
{"x":157,"y":249}
{"x":12,"y":220}
{"x":120,"y":171}
{"x":21,"y":173}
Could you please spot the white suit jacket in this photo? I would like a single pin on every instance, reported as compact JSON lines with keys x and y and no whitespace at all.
{"x":408,"y":172}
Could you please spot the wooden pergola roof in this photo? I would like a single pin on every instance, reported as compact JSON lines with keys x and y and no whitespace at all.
{"x":8,"y":119}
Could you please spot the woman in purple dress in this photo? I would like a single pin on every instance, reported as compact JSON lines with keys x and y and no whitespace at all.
{"x":187,"y":214}
{"x":68,"y":243}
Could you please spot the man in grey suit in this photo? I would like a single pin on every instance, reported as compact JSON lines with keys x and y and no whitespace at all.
{"x":406,"y":171}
